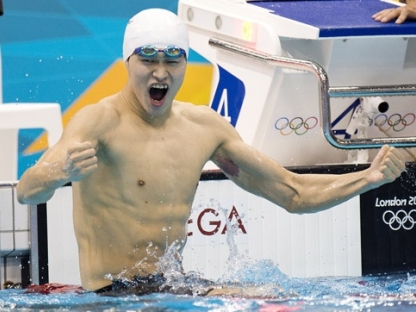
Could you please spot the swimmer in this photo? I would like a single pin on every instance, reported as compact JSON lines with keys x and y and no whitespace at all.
{"x":398,"y":14}
{"x":135,"y":159}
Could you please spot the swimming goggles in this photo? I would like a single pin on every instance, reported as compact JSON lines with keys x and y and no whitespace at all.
{"x":152,"y":51}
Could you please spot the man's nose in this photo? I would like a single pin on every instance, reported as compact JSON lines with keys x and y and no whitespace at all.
{"x":159,"y":71}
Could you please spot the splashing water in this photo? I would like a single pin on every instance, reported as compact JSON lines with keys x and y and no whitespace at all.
{"x":244,"y":271}
{"x":126,"y":276}
{"x":273,"y":283}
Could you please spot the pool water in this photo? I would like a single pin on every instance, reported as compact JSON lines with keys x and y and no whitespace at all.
{"x":274,"y":292}
{"x":17,"y":300}
{"x":13,"y":300}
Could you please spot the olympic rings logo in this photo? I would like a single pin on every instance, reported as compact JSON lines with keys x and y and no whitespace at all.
{"x":395,"y":121}
{"x":400,"y":219}
{"x":297,"y":125}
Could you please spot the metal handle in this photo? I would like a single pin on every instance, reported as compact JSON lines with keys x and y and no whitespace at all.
{"x":325,"y":92}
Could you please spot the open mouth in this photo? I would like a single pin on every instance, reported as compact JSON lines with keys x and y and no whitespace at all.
{"x":158,"y":91}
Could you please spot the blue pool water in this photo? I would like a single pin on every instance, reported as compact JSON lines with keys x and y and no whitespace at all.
{"x":13,"y":300}
{"x":381,"y":293}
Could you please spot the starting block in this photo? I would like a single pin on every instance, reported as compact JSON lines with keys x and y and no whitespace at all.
{"x":15,"y":116}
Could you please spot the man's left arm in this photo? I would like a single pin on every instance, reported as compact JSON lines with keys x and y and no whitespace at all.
{"x":303,"y":193}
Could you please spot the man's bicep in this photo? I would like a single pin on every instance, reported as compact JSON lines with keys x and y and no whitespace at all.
{"x":238,"y":159}
{"x":224,"y":160}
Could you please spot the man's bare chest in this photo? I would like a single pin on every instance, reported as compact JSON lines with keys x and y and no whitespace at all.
{"x":158,"y":157}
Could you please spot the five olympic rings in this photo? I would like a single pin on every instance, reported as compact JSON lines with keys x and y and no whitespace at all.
{"x":400,"y":219}
{"x":395,"y":121}
{"x":300,"y":126}
{"x":296,"y":124}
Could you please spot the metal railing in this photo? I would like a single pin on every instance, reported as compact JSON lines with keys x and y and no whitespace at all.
{"x":33,"y":243}
{"x":11,"y":185}
{"x":325,"y":93}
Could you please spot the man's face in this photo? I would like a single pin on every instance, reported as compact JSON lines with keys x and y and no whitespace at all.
{"x":156,"y":78}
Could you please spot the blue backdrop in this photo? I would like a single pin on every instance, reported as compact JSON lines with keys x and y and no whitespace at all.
{"x":52,"y":50}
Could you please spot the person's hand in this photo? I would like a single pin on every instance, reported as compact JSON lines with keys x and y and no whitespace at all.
{"x":400,"y":14}
{"x":387,"y":166}
{"x":80,"y":161}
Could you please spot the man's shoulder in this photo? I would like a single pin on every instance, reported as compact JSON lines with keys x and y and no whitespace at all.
{"x":98,"y":117}
{"x":104,"y":107}
{"x":204,"y":116}
{"x":199,"y":112}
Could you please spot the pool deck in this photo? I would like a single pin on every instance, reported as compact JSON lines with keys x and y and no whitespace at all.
{"x":340,"y":18}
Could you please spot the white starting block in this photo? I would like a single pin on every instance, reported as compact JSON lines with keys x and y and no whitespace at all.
{"x":277,"y":110}
{"x":24,"y":116}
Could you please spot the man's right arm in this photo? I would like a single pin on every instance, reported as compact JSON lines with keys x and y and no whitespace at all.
{"x":70,"y":160}
{"x":57,"y":166}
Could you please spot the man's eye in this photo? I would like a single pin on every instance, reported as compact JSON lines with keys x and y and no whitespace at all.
{"x":148,"y":60}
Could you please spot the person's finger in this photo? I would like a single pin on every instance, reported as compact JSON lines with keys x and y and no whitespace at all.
{"x":389,"y":16}
{"x":79,"y":155}
{"x":398,"y":159}
{"x":393,"y":165}
{"x":91,"y":161}
{"x":392,"y":170}
{"x":379,"y":15}
{"x":87,"y":170}
{"x":380,"y":155}
{"x":402,"y":17}
{"x":79,"y":146}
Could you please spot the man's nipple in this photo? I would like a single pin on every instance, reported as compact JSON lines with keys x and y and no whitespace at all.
{"x":141,"y":183}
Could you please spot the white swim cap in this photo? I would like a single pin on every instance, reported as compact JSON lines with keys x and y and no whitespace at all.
{"x":157,"y":27}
